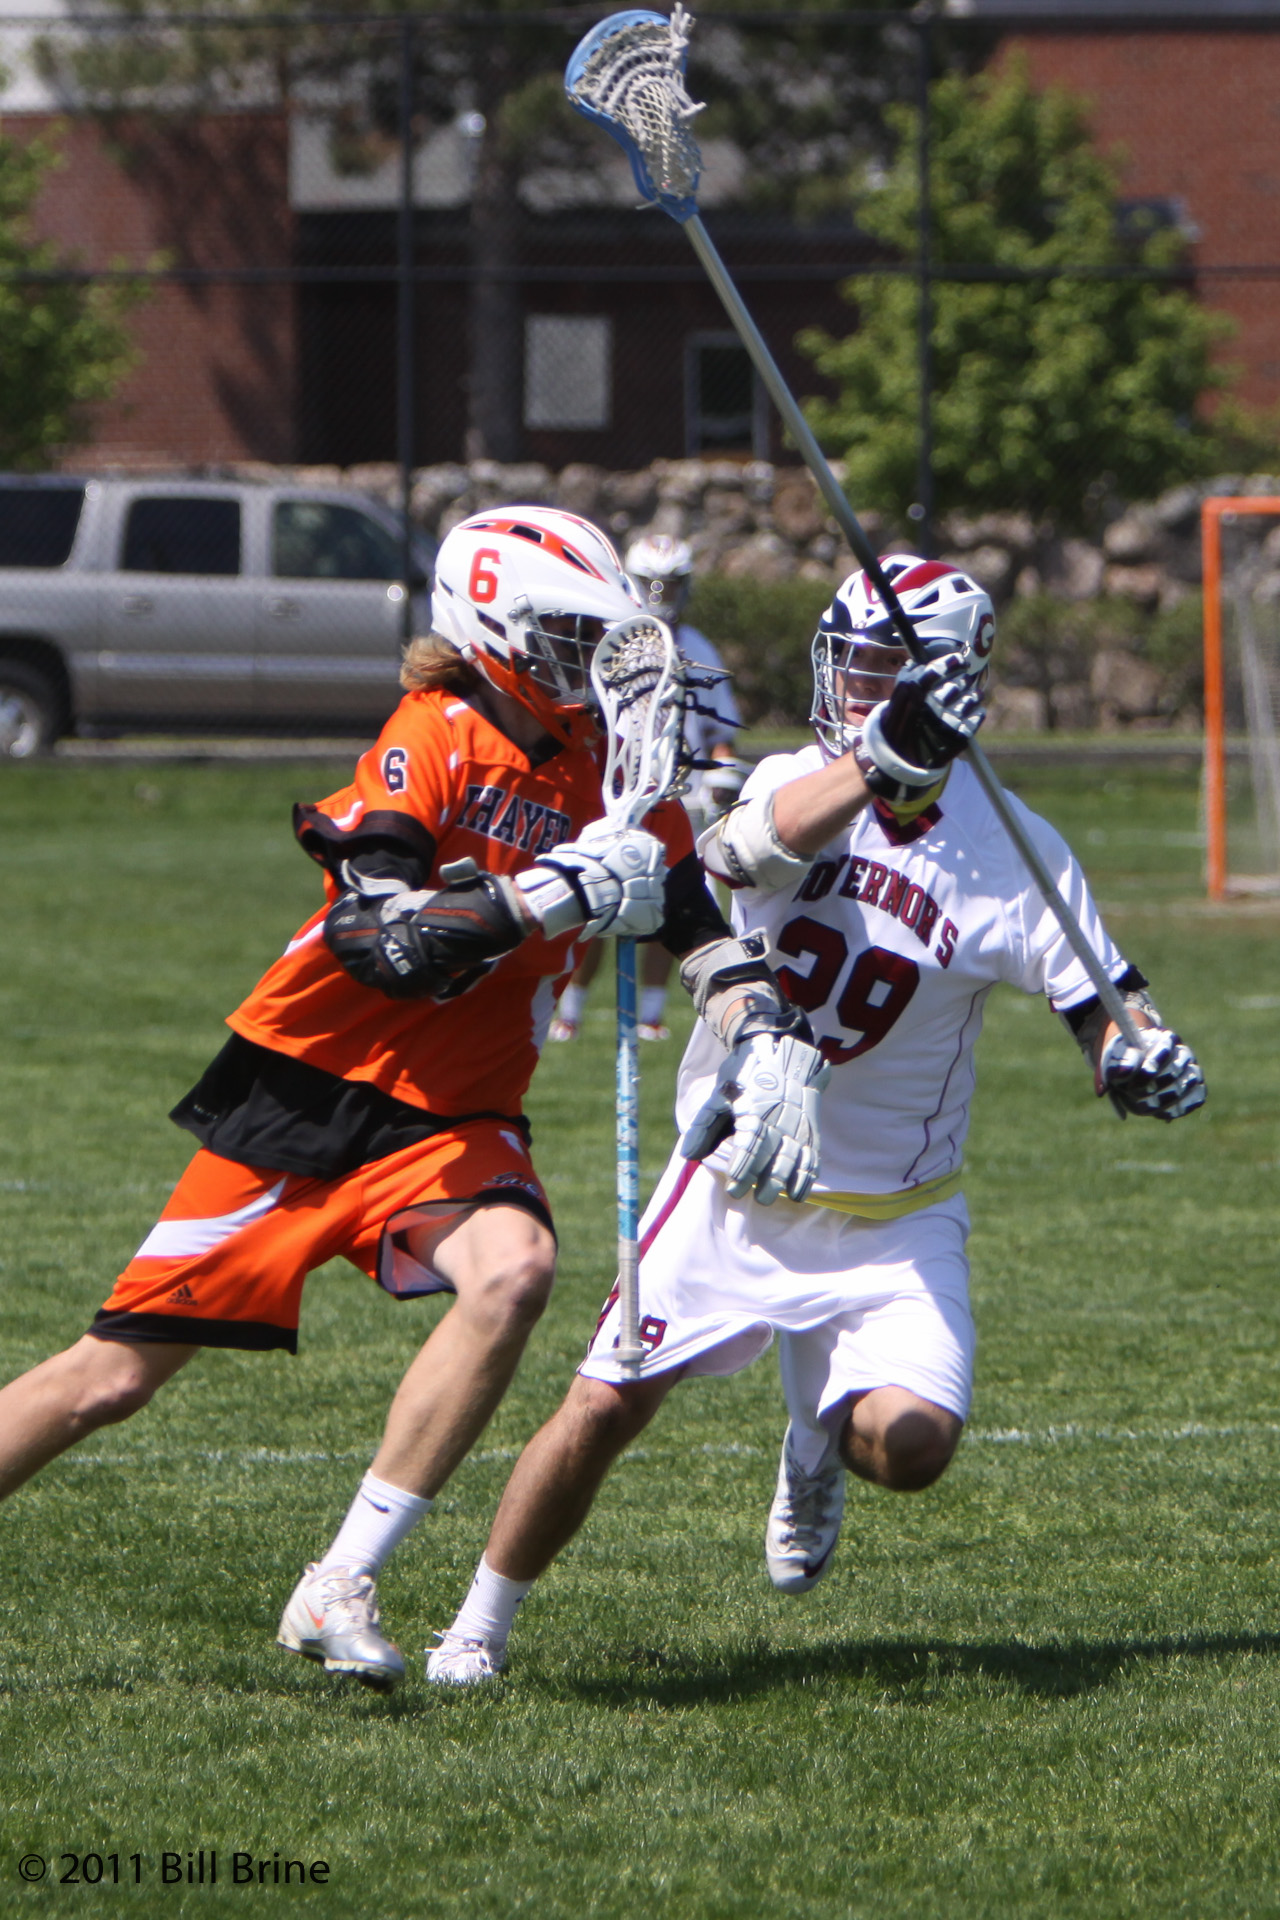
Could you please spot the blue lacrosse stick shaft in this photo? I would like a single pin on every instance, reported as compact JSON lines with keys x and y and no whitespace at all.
{"x":630,"y":1350}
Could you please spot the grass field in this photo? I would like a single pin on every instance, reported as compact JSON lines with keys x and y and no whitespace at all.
{"x":1048,"y":1687}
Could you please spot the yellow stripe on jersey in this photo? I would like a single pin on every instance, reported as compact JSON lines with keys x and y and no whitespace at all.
{"x":891,"y":1206}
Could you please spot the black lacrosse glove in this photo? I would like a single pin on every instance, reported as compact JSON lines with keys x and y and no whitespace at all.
{"x":935,"y":709}
{"x":1160,"y":1078}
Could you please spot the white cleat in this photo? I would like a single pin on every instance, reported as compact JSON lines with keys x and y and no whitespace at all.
{"x":652,"y":1030}
{"x":804,"y":1522}
{"x":562,"y":1029}
{"x":463,"y":1660}
{"x":333,"y":1617}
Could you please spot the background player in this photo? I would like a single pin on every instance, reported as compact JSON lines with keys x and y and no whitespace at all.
{"x":894,"y":920}
{"x":368,"y":1102}
{"x":662,"y":569}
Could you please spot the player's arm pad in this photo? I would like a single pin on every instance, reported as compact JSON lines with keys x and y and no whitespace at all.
{"x":736,"y":994}
{"x":742,"y":848}
{"x":415,"y":945}
{"x":1089,"y":1021}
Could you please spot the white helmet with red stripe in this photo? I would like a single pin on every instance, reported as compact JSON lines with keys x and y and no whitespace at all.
{"x":858,"y":652}
{"x":525,"y":594}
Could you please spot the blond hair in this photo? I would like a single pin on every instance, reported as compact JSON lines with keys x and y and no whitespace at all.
{"x":430,"y":662}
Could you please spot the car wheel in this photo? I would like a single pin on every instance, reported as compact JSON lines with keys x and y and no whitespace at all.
{"x":31,"y":716}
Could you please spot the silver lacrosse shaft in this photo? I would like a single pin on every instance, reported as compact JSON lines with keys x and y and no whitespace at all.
{"x":847,"y":520}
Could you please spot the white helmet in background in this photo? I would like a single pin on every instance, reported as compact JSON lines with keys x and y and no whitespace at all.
{"x":526,"y":594}
{"x":662,"y":568}
{"x":857,"y":651}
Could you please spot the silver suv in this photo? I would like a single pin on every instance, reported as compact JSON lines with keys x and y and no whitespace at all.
{"x":185,"y":603}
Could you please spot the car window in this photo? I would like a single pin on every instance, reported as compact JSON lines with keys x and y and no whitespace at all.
{"x":182,"y":536}
{"x":38,"y":525}
{"x":318,"y":540}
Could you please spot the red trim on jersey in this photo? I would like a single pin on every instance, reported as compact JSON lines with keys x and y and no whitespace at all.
{"x":900,"y":833}
{"x":672,"y":1201}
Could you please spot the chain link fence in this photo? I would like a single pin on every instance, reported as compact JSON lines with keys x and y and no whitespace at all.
{"x":328,"y":282}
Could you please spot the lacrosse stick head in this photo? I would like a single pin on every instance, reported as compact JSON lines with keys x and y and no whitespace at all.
{"x":628,"y":76}
{"x":638,"y":678}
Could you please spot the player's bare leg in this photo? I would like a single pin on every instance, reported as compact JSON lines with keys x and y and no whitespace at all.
{"x":891,"y":1437}
{"x":501,"y":1263}
{"x":655,"y":972}
{"x":573,"y":1001}
{"x":546,"y":1500}
{"x":93,"y":1384}
{"x":557,"y":1477}
{"x":896,"y":1439}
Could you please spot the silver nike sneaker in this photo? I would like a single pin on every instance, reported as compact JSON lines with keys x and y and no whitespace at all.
{"x":804,"y":1522}
{"x":463,"y":1659}
{"x":333,"y":1617}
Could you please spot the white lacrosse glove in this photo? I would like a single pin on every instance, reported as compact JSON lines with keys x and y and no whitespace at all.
{"x":1160,"y":1078}
{"x":934,"y":711}
{"x":766,"y":1096}
{"x":609,"y":880}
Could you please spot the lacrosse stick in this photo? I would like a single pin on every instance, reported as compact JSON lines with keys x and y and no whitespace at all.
{"x":638,"y":677}
{"x":627,"y":75}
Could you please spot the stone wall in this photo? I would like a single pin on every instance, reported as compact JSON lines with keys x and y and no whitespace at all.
{"x":1086,"y":623}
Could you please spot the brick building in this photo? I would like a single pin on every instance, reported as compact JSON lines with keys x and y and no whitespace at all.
{"x":216,"y":371}
{"x":1189,"y":93}
{"x":279,"y":340}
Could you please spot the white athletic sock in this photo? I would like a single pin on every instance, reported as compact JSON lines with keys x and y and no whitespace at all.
{"x":573,"y":1003}
{"x":490,"y":1607}
{"x":378,"y":1520}
{"x":652,"y":1001}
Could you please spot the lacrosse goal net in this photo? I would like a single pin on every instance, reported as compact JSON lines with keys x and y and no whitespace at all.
{"x":1241,"y":539}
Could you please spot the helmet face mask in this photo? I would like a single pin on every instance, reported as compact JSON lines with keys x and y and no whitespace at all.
{"x":857,"y":652}
{"x":662,"y":569}
{"x":526,"y":594}
{"x":558,"y":649}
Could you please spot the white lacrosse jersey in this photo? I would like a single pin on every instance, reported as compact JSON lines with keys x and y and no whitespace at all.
{"x":891,"y":943}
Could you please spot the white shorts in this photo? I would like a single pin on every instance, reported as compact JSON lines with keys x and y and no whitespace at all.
{"x":859,"y":1303}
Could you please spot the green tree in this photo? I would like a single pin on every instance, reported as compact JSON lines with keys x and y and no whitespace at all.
{"x":1045,"y":388}
{"x":802,"y":106}
{"x":63,"y":344}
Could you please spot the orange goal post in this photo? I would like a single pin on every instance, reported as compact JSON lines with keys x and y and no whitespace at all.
{"x":1241,"y":555}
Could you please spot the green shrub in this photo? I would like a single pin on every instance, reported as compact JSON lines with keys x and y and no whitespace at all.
{"x":763,"y":631}
{"x":1049,"y":644}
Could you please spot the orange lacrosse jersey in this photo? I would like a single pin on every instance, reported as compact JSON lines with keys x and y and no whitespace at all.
{"x":444,"y":784}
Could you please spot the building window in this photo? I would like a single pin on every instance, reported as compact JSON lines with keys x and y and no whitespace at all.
{"x":568,"y":371}
{"x":726,"y":408}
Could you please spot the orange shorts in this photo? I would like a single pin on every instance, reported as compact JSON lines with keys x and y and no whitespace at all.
{"x":225,"y":1264}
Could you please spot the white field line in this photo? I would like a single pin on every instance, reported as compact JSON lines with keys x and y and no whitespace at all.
{"x":1071,"y":1434}
{"x":1068,"y":1435}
